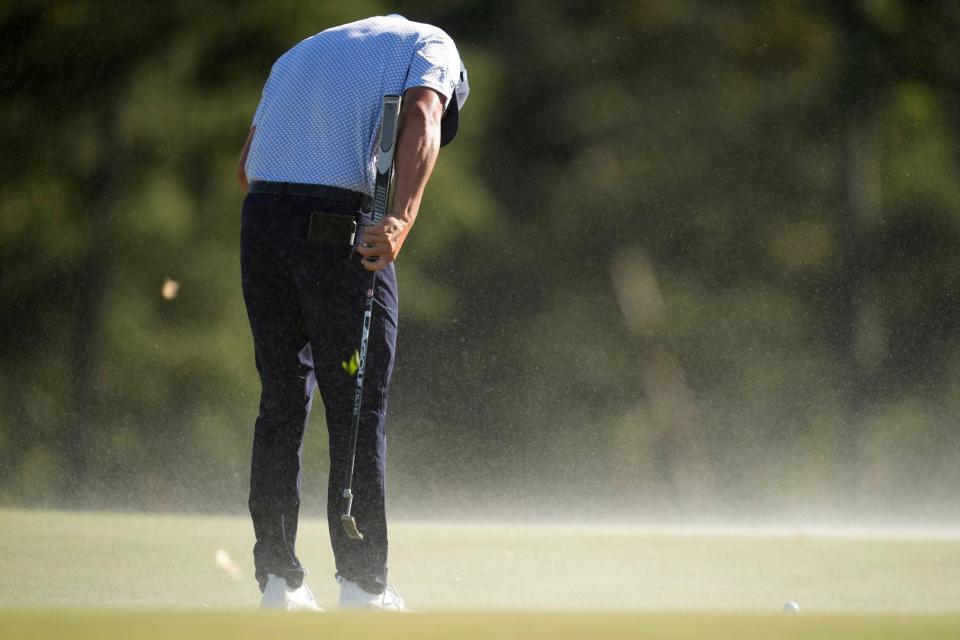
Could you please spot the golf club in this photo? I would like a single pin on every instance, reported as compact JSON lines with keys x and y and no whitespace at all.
{"x":381,"y":198}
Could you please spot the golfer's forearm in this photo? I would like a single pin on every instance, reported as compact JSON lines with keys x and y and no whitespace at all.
{"x":242,"y":165}
{"x":418,"y":144}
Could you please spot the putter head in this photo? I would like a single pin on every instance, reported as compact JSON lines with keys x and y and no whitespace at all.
{"x":350,"y":526}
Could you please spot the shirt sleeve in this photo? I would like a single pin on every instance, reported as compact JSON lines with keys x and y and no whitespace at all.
{"x":435,"y":64}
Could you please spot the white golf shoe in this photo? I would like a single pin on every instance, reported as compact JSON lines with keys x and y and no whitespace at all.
{"x":353,"y":596}
{"x":277,"y":595}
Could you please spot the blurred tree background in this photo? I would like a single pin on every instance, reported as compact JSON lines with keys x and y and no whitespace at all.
{"x":687,"y":259}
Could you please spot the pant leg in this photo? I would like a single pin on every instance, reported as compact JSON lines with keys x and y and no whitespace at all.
{"x":284,"y":362}
{"x":333,"y":310}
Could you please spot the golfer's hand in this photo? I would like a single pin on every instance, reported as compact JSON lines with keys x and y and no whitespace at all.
{"x":381,"y":243}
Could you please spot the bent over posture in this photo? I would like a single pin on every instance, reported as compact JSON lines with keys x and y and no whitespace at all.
{"x":309,"y":167}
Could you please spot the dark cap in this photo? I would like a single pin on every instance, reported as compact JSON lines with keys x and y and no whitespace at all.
{"x":451,"y":117}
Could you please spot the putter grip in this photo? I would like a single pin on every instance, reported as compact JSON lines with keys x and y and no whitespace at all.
{"x":385,"y":151}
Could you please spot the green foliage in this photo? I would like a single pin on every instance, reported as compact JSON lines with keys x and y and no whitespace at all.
{"x":682,"y":253}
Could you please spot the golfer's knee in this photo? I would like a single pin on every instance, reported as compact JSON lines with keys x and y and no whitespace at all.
{"x":283,"y":402}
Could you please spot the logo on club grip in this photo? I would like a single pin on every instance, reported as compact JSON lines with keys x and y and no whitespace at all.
{"x":369,"y":293}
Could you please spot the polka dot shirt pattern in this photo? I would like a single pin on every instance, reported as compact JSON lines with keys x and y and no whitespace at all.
{"x":319,"y":115}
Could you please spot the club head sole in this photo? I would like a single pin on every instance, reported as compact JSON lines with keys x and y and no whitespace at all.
{"x":350,"y":526}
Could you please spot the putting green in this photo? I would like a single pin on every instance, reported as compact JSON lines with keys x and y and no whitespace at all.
{"x":105,"y":575}
{"x":236,"y":625}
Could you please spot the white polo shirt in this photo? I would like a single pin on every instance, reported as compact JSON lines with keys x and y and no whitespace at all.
{"x":319,"y":116}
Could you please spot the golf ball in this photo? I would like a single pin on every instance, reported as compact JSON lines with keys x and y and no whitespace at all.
{"x":791,"y":607}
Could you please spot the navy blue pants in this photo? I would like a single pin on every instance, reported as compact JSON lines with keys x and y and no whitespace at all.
{"x":305,"y":304}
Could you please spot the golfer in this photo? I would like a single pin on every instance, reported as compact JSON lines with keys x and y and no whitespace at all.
{"x":308,"y":166}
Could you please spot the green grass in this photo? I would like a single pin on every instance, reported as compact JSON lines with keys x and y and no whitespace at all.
{"x":216,"y":625}
{"x":108,"y":575}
